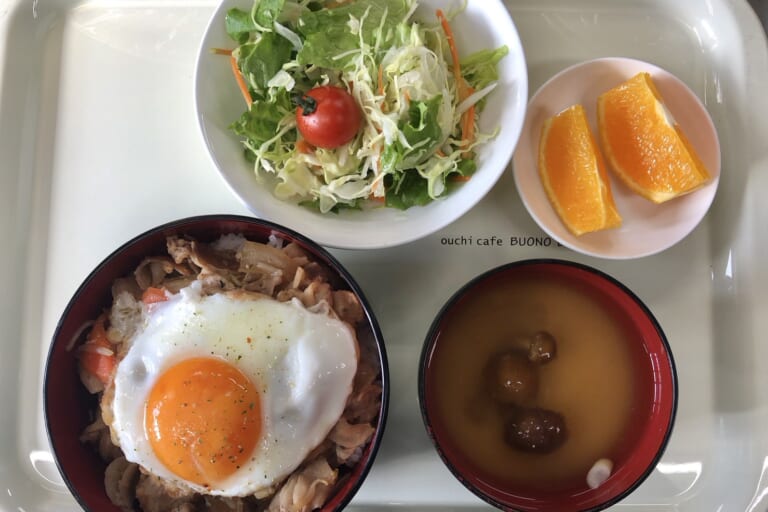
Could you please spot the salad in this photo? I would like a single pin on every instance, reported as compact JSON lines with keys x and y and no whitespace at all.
{"x":353,"y":103}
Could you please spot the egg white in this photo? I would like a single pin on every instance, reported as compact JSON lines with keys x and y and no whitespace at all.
{"x":302,"y":364}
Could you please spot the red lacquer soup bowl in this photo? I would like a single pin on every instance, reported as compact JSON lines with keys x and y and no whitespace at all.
{"x":547,"y":385}
{"x":69,"y":408}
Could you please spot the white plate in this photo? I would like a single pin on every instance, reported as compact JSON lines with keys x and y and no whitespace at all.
{"x":218,"y":104}
{"x":647,"y":228}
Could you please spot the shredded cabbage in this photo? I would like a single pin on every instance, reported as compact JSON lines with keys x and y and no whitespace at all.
{"x":399,"y":72}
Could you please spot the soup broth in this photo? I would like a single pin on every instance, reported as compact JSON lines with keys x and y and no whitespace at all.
{"x":592,"y":381}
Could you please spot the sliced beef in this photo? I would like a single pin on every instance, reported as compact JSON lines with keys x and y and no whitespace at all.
{"x":307,"y":489}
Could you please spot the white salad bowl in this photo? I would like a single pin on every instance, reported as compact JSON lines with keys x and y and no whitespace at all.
{"x":218,"y":103}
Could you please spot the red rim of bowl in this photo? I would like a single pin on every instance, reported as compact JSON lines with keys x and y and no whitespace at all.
{"x":653,"y":438}
{"x":67,"y":404}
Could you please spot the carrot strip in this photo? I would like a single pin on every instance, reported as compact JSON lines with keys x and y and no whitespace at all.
{"x":454,"y":54}
{"x":153,"y":295}
{"x":240,"y":81}
{"x":464,"y":90}
{"x":468,"y":125}
{"x":376,"y":182}
{"x":459,"y":178}
{"x":98,"y":334}
{"x":96,"y":356}
{"x":99,"y":365}
{"x":221,"y":51}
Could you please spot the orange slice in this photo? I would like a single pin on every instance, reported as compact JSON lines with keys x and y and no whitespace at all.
{"x":573,"y":173}
{"x":643,"y":145}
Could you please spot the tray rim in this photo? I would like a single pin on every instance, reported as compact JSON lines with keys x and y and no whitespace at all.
{"x":755,"y":52}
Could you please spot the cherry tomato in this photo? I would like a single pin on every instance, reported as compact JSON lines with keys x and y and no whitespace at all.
{"x":328,"y":117}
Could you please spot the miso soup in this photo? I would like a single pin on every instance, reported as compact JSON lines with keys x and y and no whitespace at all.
{"x":598,"y":380}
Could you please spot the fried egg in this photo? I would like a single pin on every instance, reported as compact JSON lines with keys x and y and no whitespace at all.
{"x":227,"y":394}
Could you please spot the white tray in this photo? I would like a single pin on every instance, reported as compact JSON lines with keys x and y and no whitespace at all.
{"x":98,"y":142}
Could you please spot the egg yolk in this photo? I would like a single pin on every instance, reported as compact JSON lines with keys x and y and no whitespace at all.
{"x":203,"y":419}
